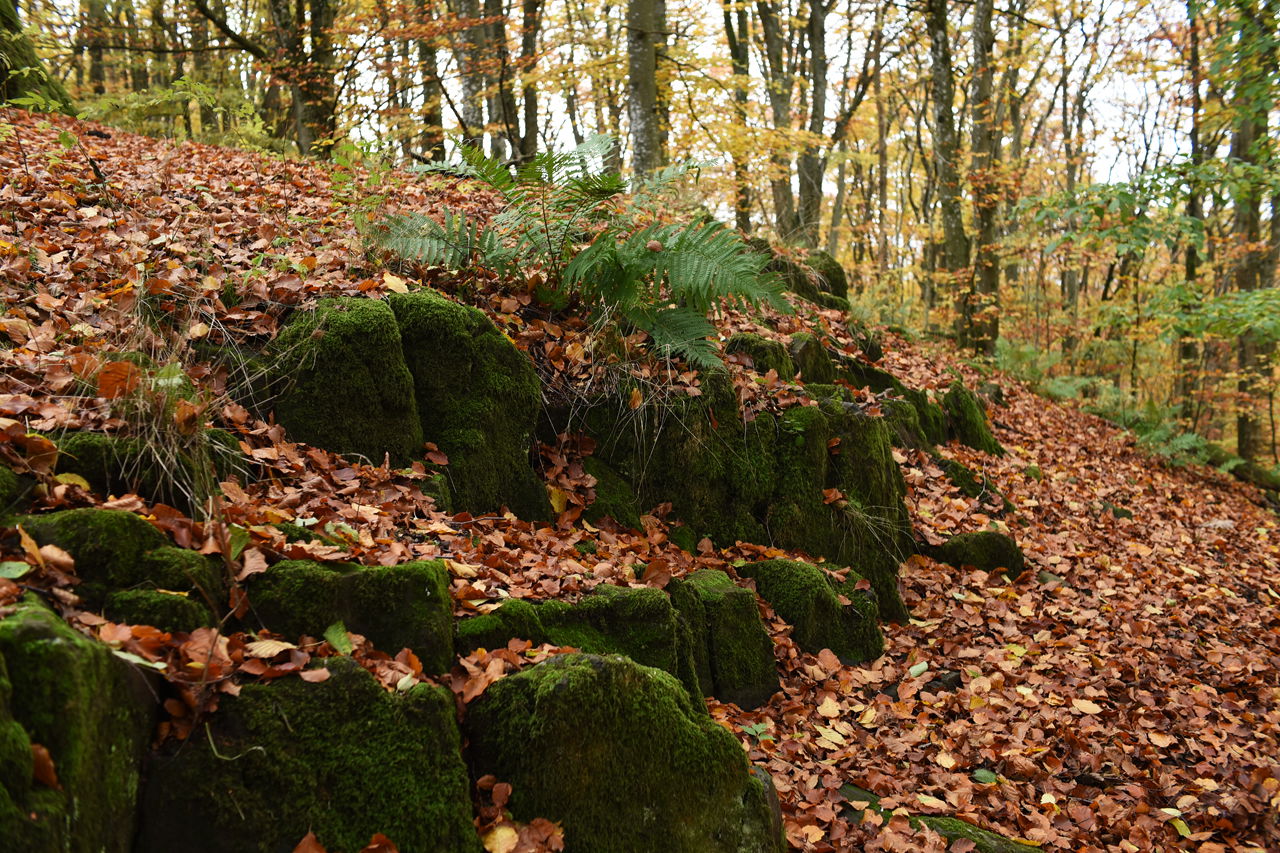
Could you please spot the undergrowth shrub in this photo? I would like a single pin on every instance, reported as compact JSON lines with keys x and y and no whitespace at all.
{"x":569,"y":221}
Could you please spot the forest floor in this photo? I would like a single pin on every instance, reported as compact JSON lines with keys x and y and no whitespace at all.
{"x":1127,"y":700}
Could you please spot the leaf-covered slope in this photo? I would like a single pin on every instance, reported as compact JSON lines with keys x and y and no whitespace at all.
{"x":1120,"y":695}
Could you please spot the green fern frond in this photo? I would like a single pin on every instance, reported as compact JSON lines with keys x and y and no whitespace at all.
{"x":683,"y":332}
{"x":455,"y":244}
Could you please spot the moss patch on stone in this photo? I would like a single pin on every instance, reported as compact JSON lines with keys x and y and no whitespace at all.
{"x":342,"y":758}
{"x":14,"y":491}
{"x":396,"y":607}
{"x":614,"y":496}
{"x":168,"y":611}
{"x":987,"y":550}
{"x":732,"y":650}
{"x":107,"y":545}
{"x":478,"y":398}
{"x":93,"y":712}
{"x":621,"y":756}
{"x":968,"y":420}
{"x":811,"y":358}
{"x":638,"y":623}
{"x":339,"y":381}
{"x":809,"y":601}
{"x":831,"y":276}
{"x":765,"y":354}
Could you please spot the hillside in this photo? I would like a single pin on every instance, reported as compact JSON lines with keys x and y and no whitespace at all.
{"x":1121,"y":693}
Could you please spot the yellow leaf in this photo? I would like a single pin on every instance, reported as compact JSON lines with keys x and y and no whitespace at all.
{"x":197,"y":331}
{"x":1161,"y":739}
{"x":559,"y":498}
{"x":868,"y":718}
{"x":267,"y":648}
{"x":829,"y":707}
{"x":930,"y":802}
{"x":501,"y":839}
{"x":394,"y":283}
{"x":74,"y":480}
{"x":1084,"y":706}
{"x":461,"y":570}
{"x":636,"y":399}
{"x":945,"y":760}
{"x":830,"y":734}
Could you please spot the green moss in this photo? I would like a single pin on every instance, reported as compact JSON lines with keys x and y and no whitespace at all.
{"x":867,"y":339}
{"x":793,"y":276}
{"x":968,"y":420}
{"x":732,"y":650}
{"x":621,"y":756}
{"x":765,"y":354}
{"x":685,"y":537}
{"x":862,"y":375}
{"x":903,"y":421}
{"x":638,"y":623}
{"x":113,"y":464}
{"x":811,"y":358}
{"x":478,"y":398}
{"x":342,"y":758}
{"x":764,"y":481}
{"x":437,"y":487}
{"x":986,"y":550}
{"x":396,"y":607}
{"x":831,"y":301}
{"x":832,"y":278}
{"x":933,"y":421}
{"x":93,"y":712}
{"x":614,"y":496}
{"x":971,"y":484}
{"x":807,"y":600}
{"x":167,"y":611}
{"x":107,"y":545}
{"x":339,"y":381}
{"x":14,"y":490}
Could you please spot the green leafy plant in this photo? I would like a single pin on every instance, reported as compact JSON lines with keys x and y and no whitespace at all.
{"x":568,"y":219}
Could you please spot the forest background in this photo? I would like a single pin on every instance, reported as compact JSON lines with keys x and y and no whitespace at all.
{"x":1085,"y":193}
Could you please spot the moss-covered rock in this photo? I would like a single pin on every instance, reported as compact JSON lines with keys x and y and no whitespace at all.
{"x":107,"y":545}
{"x":478,"y":398}
{"x":396,"y":607}
{"x":14,"y":491}
{"x":339,"y":381}
{"x":811,"y":358}
{"x":867,"y":339}
{"x":615,"y":498}
{"x":732,"y":649}
{"x":905,"y":429}
{"x":93,"y":712}
{"x":767,"y":480}
{"x":987,"y":550}
{"x":638,"y":623}
{"x":833,"y":302}
{"x":113,"y":464}
{"x":620,"y":755}
{"x":967,"y":420}
{"x":168,"y":611}
{"x":832,"y":278}
{"x":342,"y":758}
{"x":765,"y":354}
{"x":859,"y":374}
{"x":970,"y":484}
{"x":933,"y":420}
{"x":810,"y":602}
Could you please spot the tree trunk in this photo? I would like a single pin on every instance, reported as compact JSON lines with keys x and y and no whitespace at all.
{"x":980,"y":311}
{"x":737,"y":36}
{"x":953,"y":256}
{"x":813,"y":159}
{"x":779,"y":82}
{"x":642,"y":87}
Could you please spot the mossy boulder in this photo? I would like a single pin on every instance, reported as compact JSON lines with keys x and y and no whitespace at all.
{"x":765,"y":354}
{"x":766,"y":481}
{"x":93,"y":712}
{"x":967,"y":420}
{"x":615,"y":498}
{"x":478,"y":398}
{"x":179,"y":476}
{"x":811,"y":358}
{"x":638,"y":623}
{"x":338,"y":379}
{"x":807,"y":599}
{"x":622,"y":757}
{"x":933,"y":420}
{"x":342,"y":758}
{"x":971,"y":484}
{"x":732,"y":649}
{"x":163,"y":609}
{"x":14,"y":491}
{"x":905,"y":429}
{"x":832,"y":278}
{"x":859,"y":374}
{"x":987,"y":550}
{"x":396,"y":607}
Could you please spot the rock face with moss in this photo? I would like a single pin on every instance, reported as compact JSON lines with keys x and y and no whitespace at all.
{"x":478,"y":398}
{"x":338,"y":379}
{"x":638,"y":623}
{"x":620,"y":755}
{"x":811,"y":358}
{"x":129,"y":569}
{"x":967,"y":420}
{"x":810,"y":601}
{"x":396,"y":607}
{"x":731,"y":648}
{"x":987,"y":550}
{"x":113,"y":464}
{"x":832,"y":278}
{"x":14,"y":489}
{"x":342,"y":758}
{"x":615,"y":498}
{"x":93,"y":712}
{"x":766,"y":481}
{"x":765,"y":354}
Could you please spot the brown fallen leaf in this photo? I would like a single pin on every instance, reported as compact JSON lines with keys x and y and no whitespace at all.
{"x":42,"y":768}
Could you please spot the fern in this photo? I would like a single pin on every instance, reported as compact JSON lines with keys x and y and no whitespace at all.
{"x":663,"y":278}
